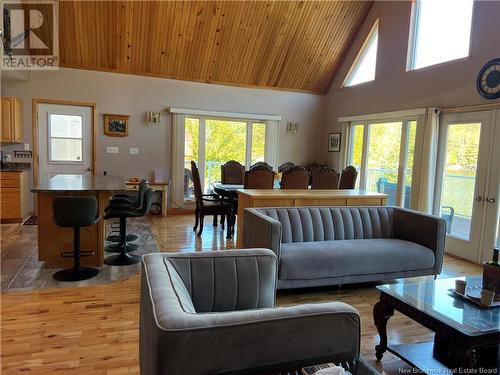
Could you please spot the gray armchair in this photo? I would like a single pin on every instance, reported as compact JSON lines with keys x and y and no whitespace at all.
{"x":214,"y":312}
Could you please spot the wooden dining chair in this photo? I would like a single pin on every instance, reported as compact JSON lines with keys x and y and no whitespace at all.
{"x":348,"y":178}
{"x":325,"y":178}
{"x":295,"y":178}
{"x":285,"y":166}
{"x":259,"y":178}
{"x":260,"y":164}
{"x":232,"y":173}
{"x":313,"y":168}
{"x":206,"y":204}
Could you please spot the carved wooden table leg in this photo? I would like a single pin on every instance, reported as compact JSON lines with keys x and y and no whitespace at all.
{"x":382,"y":312}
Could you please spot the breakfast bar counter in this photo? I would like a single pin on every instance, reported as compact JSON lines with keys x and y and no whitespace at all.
{"x":54,"y":240}
{"x":303,"y":197}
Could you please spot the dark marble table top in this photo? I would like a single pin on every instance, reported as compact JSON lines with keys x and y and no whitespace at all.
{"x":79,"y":182}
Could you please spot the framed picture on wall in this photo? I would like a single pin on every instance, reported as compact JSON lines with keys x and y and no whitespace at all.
{"x":334,"y":142}
{"x":116,"y":125}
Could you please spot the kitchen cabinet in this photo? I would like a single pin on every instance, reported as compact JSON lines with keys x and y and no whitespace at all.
{"x":14,"y":196}
{"x":11,"y":120}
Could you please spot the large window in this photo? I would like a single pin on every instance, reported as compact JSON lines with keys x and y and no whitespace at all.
{"x":211,"y":142}
{"x":440,"y":31}
{"x":65,"y":139}
{"x":363,"y":68}
{"x":382,"y":152}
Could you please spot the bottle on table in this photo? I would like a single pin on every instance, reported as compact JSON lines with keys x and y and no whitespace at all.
{"x":494,"y":261}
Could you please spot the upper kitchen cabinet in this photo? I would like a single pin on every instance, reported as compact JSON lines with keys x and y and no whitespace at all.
{"x":11,"y":116}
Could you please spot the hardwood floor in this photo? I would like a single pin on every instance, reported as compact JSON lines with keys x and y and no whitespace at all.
{"x":94,"y":329}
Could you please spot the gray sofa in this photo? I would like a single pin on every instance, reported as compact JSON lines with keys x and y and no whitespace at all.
{"x":214,"y":312}
{"x":318,"y":246}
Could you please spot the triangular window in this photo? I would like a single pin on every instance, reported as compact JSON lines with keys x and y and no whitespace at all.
{"x":363,"y":69}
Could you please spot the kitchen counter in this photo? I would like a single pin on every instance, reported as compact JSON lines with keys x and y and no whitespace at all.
{"x":83,"y":183}
{"x":14,"y":167}
{"x":52,"y":239}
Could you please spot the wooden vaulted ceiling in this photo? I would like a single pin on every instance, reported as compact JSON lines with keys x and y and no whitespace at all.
{"x":291,"y":45}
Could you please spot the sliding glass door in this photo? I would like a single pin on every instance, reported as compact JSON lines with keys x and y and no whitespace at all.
{"x":382,"y":152}
{"x":211,"y":142}
{"x":468,"y":182}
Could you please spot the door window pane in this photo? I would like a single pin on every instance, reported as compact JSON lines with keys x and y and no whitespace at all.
{"x":258,"y":142}
{"x":191,"y":143}
{"x":224,"y":140}
{"x":412,"y":132}
{"x":65,"y":150}
{"x":65,"y":126}
{"x":383,"y":159}
{"x":457,"y":198}
{"x":356,"y":148}
{"x":65,"y":138}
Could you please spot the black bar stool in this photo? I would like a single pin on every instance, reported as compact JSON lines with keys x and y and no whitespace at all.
{"x":130,"y":201}
{"x":122,"y":213}
{"x":75,"y":212}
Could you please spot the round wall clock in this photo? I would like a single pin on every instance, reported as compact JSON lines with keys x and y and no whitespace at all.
{"x":488,"y":80}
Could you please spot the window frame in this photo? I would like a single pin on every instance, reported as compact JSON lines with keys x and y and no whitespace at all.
{"x":361,"y":54}
{"x":178,"y":143}
{"x":412,"y":39}
{"x":403,"y":152}
{"x":50,"y":137}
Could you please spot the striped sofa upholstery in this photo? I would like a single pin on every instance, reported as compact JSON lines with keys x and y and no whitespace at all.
{"x":337,"y":245}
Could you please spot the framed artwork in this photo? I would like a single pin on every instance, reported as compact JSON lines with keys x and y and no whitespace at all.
{"x":116,"y":125}
{"x":334,"y":142}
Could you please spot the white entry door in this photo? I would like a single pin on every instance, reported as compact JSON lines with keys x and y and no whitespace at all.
{"x":468,"y":182}
{"x":65,"y":134}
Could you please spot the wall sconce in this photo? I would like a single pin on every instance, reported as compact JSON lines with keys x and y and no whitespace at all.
{"x":292,"y":127}
{"x":153,"y":117}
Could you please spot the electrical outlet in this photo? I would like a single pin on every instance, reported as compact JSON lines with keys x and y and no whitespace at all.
{"x":8,"y":157}
{"x":112,"y":150}
{"x":133,"y":151}
{"x":26,"y":147}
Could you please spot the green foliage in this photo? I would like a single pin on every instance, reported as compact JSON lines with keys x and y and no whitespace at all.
{"x":224,"y":141}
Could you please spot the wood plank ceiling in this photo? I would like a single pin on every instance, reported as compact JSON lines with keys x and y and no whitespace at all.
{"x":290,"y":45}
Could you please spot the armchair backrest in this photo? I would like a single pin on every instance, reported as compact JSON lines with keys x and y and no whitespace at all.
{"x":227,"y":280}
{"x":307,"y":224}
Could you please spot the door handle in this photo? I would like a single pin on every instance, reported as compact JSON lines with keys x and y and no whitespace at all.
{"x":478,"y":198}
{"x":490,"y":200}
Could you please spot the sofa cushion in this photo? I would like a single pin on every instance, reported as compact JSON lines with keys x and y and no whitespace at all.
{"x":314,"y":260}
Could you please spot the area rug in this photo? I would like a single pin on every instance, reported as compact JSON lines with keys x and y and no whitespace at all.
{"x":34,"y":275}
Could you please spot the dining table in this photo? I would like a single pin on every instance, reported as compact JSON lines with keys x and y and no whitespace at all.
{"x":229,"y":195}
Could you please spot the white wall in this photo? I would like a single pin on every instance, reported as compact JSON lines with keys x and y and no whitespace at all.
{"x":135,"y":95}
{"x":449,"y":84}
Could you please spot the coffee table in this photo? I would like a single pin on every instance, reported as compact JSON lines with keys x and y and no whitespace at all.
{"x":466,"y":335}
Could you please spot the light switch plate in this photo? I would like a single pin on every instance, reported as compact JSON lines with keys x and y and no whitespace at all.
{"x":26,"y":147}
{"x":133,"y":151}
{"x":112,"y":150}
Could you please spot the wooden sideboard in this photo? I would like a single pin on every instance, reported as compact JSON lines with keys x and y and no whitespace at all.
{"x":303,"y":197}
{"x":14,"y":196}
